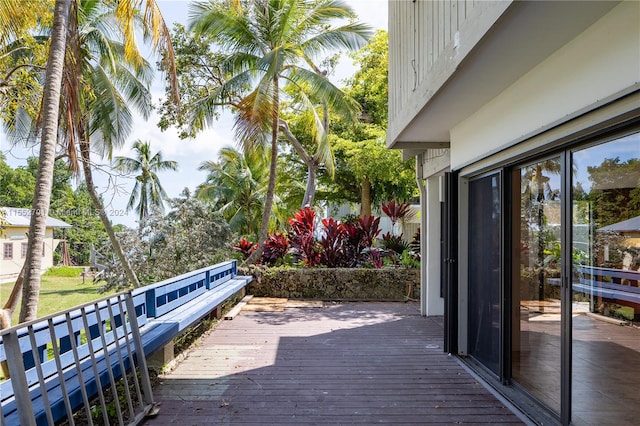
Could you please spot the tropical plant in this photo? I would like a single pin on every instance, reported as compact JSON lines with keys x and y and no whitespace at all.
{"x":396,"y":211}
{"x":147,"y":191}
{"x":267,"y":43}
{"x":332,"y":243}
{"x":275,"y":248}
{"x":245,"y":247}
{"x":23,"y":56}
{"x":104,"y":76}
{"x":302,"y":238}
{"x":409,"y":260}
{"x":44,"y":179}
{"x":370,"y":226}
{"x":394,"y":243}
{"x":353,"y":243}
{"x":236,"y":185}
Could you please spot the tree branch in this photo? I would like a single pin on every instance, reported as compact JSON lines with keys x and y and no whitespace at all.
{"x":297,"y":146}
{"x":4,"y":82}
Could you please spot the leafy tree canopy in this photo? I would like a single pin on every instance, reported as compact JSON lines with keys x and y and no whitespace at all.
{"x":24,"y":46}
{"x":370,"y":86}
{"x":199,"y":72}
{"x":366,"y":171}
{"x":191,"y":236}
{"x":69,"y":205}
{"x":615,"y":190}
{"x":366,"y":157}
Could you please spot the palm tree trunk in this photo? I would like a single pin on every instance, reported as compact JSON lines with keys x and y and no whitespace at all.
{"x":12,"y":302}
{"x":85,"y":152}
{"x":309,"y":160}
{"x":310,"y":191}
{"x":365,"y":198}
{"x":44,"y":177}
{"x":271,"y":188}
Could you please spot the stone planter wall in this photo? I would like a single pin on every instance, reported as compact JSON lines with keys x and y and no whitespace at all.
{"x":335,"y":284}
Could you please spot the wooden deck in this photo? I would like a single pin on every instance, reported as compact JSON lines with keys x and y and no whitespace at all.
{"x":338,"y":364}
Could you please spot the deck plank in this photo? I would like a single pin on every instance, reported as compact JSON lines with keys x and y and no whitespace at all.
{"x":342,"y":364}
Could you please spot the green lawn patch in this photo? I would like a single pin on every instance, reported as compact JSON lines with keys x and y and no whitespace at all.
{"x":64,"y":271}
{"x":59,"y":291}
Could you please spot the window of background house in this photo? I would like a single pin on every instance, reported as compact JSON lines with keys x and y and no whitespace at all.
{"x":8,"y":251}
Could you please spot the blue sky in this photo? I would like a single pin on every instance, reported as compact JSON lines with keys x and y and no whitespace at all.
{"x":188,"y":153}
{"x":624,"y":148}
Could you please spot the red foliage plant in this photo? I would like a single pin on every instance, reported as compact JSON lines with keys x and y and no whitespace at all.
{"x":301,"y":235}
{"x":245,"y":247}
{"x":352,"y":243}
{"x":395,"y":210}
{"x":332,"y":242}
{"x":275,"y":248}
{"x":394,"y":242}
{"x":370,"y":227}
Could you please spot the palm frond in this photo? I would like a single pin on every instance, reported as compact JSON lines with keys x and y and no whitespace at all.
{"x":349,"y":37}
{"x":155,"y":29}
{"x":321,"y":88}
{"x":111,"y":120}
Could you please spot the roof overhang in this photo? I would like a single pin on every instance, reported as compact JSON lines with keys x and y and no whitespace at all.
{"x":526,"y":34}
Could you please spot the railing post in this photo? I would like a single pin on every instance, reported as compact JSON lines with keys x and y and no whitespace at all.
{"x":142,"y":361}
{"x":18,"y":378}
{"x":234,"y":268}
{"x":208,"y":279}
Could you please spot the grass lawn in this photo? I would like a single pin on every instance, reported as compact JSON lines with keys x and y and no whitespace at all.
{"x":61,"y":288}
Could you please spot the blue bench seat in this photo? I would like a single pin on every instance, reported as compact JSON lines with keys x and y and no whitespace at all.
{"x":163,"y":310}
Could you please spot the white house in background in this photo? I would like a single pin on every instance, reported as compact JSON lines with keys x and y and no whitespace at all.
{"x":14,"y":242}
{"x":520,"y":115}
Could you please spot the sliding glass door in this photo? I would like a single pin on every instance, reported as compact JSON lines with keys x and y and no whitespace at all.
{"x":605,"y":210}
{"x":554,"y":280}
{"x":536,"y":284}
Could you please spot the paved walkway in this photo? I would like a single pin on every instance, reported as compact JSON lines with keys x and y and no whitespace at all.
{"x":338,"y":364}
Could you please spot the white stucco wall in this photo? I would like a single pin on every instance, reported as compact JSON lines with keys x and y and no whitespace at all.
{"x":10,"y":268}
{"x":599,"y":64}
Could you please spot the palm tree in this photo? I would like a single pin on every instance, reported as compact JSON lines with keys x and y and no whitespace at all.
{"x":65,"y":24}
{"x":101,"y":82}
{"x":268,"y":44}
{"x":17,"y":18}
{"x":535,"y":190}
{"x":44,"y":176}
{"x":147,"y":191}
{"x":237,"y":185}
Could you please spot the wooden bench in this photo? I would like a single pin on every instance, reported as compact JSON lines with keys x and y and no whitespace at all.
{"x":95,"y":342}
{"x":197,"y":294}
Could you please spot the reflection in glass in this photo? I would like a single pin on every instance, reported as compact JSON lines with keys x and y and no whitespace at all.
{"x":605,"y":282}
{"x":485,"y":218}
{"x":536,"y":280}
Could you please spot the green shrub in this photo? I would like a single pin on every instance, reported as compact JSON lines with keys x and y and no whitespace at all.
{"x":64,"y":271}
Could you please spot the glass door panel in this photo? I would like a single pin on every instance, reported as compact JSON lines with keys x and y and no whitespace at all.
{"x":485,"y":270}
{"x":606,"y":283}
{"x":536,"y":289}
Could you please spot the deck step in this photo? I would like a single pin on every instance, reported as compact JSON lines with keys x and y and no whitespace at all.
{"x":236,"y":309}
